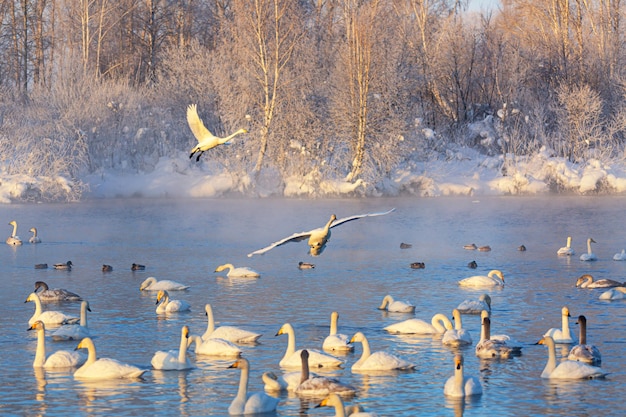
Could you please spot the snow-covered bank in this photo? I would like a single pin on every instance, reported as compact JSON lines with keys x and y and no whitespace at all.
{"x":459,"y":172}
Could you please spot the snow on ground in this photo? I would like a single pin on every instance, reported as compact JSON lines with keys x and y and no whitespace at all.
{"x":460,"y":172}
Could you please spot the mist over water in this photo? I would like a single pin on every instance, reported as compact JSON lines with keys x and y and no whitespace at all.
{"x":186,"y":240}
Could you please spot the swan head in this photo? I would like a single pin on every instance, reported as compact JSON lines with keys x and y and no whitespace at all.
{"x":38,"y":325}
{"x":146,"y":283}
{"x":33,"y":230}
{"x":223,"y":267}
{"x":582,"y":320}
{"x":358,"y":337}
{"x":285,"y":329}
{"x":332,"y":400}
{"x":84,"y":343}
{"x":584,"y":278}
{"x":241,"y":363}
{"x":32,"y":297}
{"x":546,"y":340}
{"x":42,"y":285}
{"x":458,"y":361}
{"x":497,"y":273}
{"x":185,"y":332}
{"x":13,"y":223}
{"x":162,"y":294}
{"x":590,"y":240}
{"x":565,"y":312}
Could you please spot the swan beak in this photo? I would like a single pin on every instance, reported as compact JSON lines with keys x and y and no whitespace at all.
{"x":541,"y":342}
{"x":234,"y":365}
{"x":31,"y":328}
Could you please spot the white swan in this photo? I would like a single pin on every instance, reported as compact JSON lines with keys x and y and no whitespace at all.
{"x":47,"y":295}
{"x":74,"y":331}
{"x":336,"y":341}
{"x":499,"y":337}
{"x":175,"y":360}
{"x":34,"y":238}
{"x":562,"y":335}
{"x":60,"y":358}
{"x":214,"y":347}
{"x":334,"y":400}
{"x":377,"y":361}
{"x":165,"y":305}
{"x":475,"y":306}
{"x":14,"y":239}
{"x":48,"y":317}
{"x":617,"y":293}
{"x":566,"y":250}
{"x":438,"y":325}
{"x":589,"y":256}
{"x":583,"y":352}
{"x":494,"y":278}
{"x":489,"y":348}
{"x":567,"y":369}
{"x":245,"y":403}
{"x":151,"y":284}
{"x":231,"y":333}
{"x":394,"y":306}
{"x":315,"y":385}
{"x":292,"y":359}
{"x":317,"y":238}
{"x":206,"y":140}
{"x":104,"y":368}
{"x":461,"y":385}
{"x":67,"y":266}
{"x":457,"y":336}
{"x":586,"y":281}
{"x":620,"y":256}
{"x":238,"y":272}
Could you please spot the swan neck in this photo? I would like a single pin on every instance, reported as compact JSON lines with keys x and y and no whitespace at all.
{"x":14,"y":230}
{"x":589,"y":246}
{"x":582,"y":332}
{"x":458,"y":325}
{"x":305,"y":369}
{"x":458,"y":379}
{"x":565,"y":326}
{"x":366,"y":349}
{"x":91,"y":353}
{"x":38,"y":309}
{"x":291,"y":342}
{"x":40,"y":353}
{"x":551,"y":364}
{"x":441,"y":323}
{"x":569,"y":241}
{"x":211,"y":325}
{"x":83,"y":314}
{"x":182,"y":349}
{"x":242,"y":393}
{"x":333,"y":324}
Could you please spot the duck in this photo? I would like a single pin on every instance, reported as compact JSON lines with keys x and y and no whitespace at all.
{"x":616,"y":293}
{"x":231,"y":333}
{"x":620,"y":256}
{"x":137,"y":267}
{"x":377,"y":361}
{"x":461,"y":385}
{"x":67,"y":266}
{"x":34,"y":238}
{"x":586,"y":281}
{"x":567,"y":369}
{"x":151,"y":284}
{"x":438,"y":325}
{"x":583,"y":352}
{"x":47,"y":295}
{"x":74,"y":331}
{"x":394,"y":306}
{"x":206,"y":140}
{"x":457,"y":336}
{"x":317,"y":238}
{"x":104,"y":368}
{"x":334,"y":400}
{"x":214,"y":347}
{"x":589,"y":256}
{"x":49,"y":317}
{"x":562,"y":335}
{"x":405,"y":245}
{"x":418,"y":265}
{"x":14,"y":239}
{"x":566,"y":250}
{"x":472,"y":265}
{"x":249,"y":403}
{"x":475,"y":306}
{"x":41,"y":266}
{"x":521,"y":248}
{"x":165,"y":305}
{"x":488,"y":348}
{"x":315,"y":385}
{"x":471,"y":246}
{"x":305,"y":265}
{"x":239,"y":272}
{"x":107,"y":268}
{"x":336,"y":341}
{"x":495,"y":278}
{"x":292,"y":359}
{"x":485,"y":248}
{"x":173,"y":360}
{"x":59,"y":359}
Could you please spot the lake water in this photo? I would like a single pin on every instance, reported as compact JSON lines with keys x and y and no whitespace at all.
{"x":186,"y":240}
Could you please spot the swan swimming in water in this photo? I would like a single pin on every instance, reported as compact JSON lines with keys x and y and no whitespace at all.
{"x":457,"y":336}
{"x":74,"y":331}
{"x":206,"y":140}
{"x":438,"y":325}
{"x":214,"y":347}
{"x":14,"y":239}
{"x":314,"y":385}
{"x":241,"y":271}
{"x":566,"y":250}
{"x":377,"y":361}
{"x":586,"y":281}
{"x":567,"y":369}
{"x":48,"y":317}
{"x":336,"y":341}
{"x":292,"y":358}
{"x":317,"y":238}
{"x":60,"y":358}
{"x":247,"y":403}
{"x":461,"y":385}
{"x":34,"y":238}
{"x":589,"y":256}
{"x":151,"y":284}
{"x":583,"y":352}
{"x":175,"y":360}
{"x":47,"y":295}
{"x":489,"y":348}
{"x":495,"y":278}
{"x":165,"y":305}
{"x":562,"y":335}
{"x":103,"y":368}
{"x":394,"y":306}
{"x":620,"y":256}
{"x":617,"y":293}
{"x":475,"y":306}
{"x":231,"y":333}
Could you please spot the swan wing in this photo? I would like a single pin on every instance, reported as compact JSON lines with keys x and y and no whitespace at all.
{"x":196,"y":125}
{"x":358,"y":216}
{"x":384,"y":361}
{"x":65,"y":359}
{"x":296,"y":237}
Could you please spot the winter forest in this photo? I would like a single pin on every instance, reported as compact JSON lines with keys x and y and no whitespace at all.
{"x":356,"y":93}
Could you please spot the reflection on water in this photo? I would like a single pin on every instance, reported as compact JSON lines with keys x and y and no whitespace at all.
{"x":185,"y":241}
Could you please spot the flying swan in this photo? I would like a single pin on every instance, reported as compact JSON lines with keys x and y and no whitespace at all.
{"x":567,"y":369}
{"x":317,"y":238}
{"x":206,"y":140}
{"x":239,"y":272}
{"x":14,"y":239}
{"x":246,"y":403}
{"x":103,"y":368}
